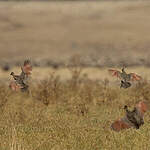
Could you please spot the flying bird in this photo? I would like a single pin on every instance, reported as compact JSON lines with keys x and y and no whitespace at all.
{"x":20,"y":80}
{"x":132,"y":119}
{"x":126,"y":78}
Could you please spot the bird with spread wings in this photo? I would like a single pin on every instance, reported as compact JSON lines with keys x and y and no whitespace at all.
{"x":132,"y":119}
{"x":20,"y":80}
{"x":125,"y":77}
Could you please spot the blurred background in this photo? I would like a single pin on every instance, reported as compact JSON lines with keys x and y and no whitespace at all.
{"x":100,"y":34}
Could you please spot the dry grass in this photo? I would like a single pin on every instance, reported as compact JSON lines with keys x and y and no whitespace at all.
{"x":73,"y":108}
{"x":71,"y":115}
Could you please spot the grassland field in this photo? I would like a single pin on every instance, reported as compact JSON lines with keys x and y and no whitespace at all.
{"x":66,"y":109}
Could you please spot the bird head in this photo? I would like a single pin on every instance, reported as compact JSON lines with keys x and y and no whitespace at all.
{"x":123,"y":68}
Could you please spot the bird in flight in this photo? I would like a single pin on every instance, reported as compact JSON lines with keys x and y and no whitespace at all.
{"x":19,"y":80}
{"x":125,"y":78}
{"x":132,"y":119}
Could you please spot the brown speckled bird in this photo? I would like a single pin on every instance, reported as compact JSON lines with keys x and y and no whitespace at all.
{"x":20,"y":80}
{"x":125,"y":77}
{"x":132,"y":119}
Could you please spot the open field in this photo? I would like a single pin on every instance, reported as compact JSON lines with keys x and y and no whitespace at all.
{"x":66,"y":109}
{"x":103,"y":33}
{"x":72,"y":115}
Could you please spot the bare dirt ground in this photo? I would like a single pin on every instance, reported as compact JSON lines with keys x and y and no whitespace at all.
{"x":103,"y":33}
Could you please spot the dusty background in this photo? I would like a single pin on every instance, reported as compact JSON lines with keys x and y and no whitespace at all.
{"x":102,"y":34}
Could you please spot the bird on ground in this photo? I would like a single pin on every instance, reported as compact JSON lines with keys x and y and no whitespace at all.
{"x":132,"y":119}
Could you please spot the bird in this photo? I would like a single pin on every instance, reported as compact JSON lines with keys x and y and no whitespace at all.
{"x":20,"y":80}
{"x":126,"y":78}
{"x":132,"y":119}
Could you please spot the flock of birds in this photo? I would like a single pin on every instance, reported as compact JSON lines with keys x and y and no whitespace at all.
{"x":132,"y":118}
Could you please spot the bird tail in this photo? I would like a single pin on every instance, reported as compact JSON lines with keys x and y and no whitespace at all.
{"x":119,"y":125}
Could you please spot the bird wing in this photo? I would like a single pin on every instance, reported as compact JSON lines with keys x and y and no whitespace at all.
{"x":142,"y":107}
{"x":27,"y":68}
{"x":119,"y":125}
{"x":14,"y":86}
{"x":115,"y":73}
{"x":135,"y":77}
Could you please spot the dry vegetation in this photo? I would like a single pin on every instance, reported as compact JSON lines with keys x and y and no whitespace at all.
{"x":72,"y":107}
{"x":70,"y":115}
